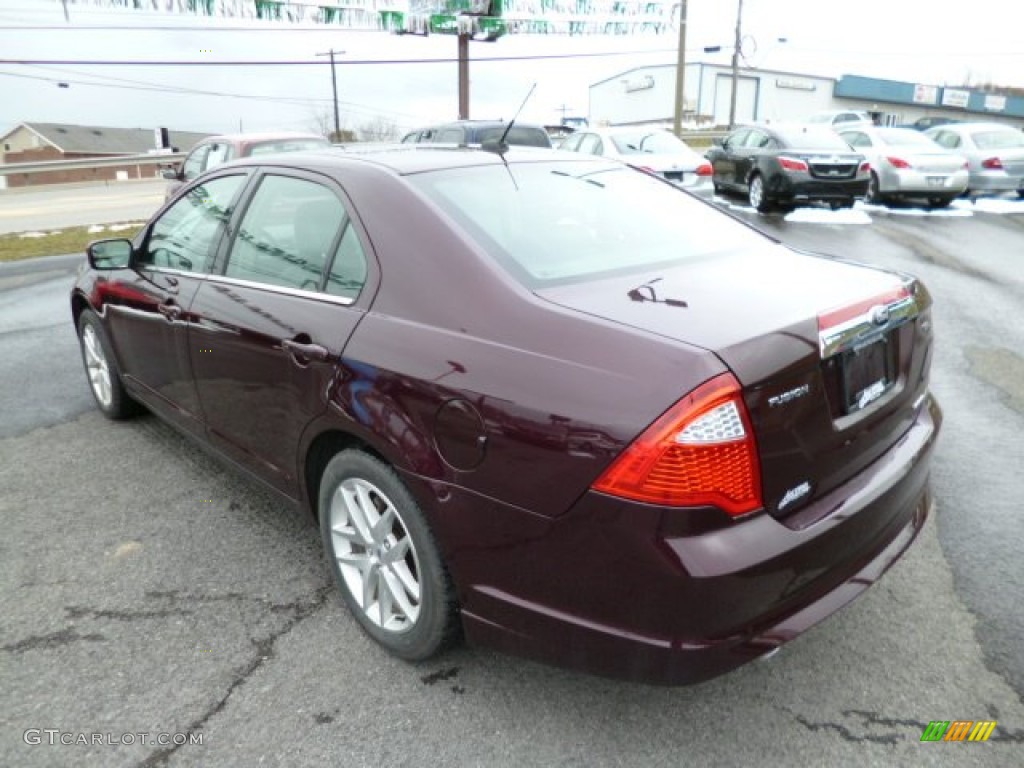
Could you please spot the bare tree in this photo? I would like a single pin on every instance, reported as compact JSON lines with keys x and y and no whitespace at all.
{"x":322,"y":122}
{"x":379,"y":128}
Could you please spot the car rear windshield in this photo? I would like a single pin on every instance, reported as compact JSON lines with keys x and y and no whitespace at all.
{"x":812,"y":138}
{"x":520,"y":135}
{"x":644,"y":142}
{"x":898,"y":137}
{"x":289,"y":145}
{"x":998,"y":139}
{"x":550,"y":223}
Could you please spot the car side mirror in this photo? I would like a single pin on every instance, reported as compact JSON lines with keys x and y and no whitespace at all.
{"x":171,"y":174}
{"x":109,"y":254}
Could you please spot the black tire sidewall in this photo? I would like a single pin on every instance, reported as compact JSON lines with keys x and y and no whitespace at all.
{"x":121,"y":405}
{"x":434,"y":627}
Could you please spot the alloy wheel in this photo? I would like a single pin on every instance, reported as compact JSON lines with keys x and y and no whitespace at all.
{"x":375,"y":554}
{"x":97,"y":367}
{"x":756,"y":192}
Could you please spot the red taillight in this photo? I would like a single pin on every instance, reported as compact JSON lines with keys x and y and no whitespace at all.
{"x":864,"y":167}
{"x":704,"y":169}
{"x":898,"y":162}
{"x":992,"y":163}
{"x":701,"y":451}
{"x":792,"y":164}
{"x":836,"y":317}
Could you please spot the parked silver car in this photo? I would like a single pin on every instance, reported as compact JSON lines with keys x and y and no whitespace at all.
{"x":650,"y":149}
{"x":995,"y":153}
{"x":907,"y":164}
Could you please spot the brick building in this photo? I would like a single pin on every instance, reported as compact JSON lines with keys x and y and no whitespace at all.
{"x":38,"y":142}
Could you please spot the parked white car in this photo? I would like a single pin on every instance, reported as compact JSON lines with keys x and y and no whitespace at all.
{"x":840,"y":118}
{"x":650,"y":149}
{"x":907,"y":164}
{"x":995,"y":154}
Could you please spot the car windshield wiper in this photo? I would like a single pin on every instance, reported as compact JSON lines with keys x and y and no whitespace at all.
{"x":646,"y":292}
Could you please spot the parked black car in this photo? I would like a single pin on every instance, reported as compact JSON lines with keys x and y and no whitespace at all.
{"x":479,"y":131}
{"x":788,"y":166}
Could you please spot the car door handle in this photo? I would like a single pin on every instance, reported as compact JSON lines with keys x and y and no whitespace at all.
{"x":171,"y":311}
{"x":303,"y":352}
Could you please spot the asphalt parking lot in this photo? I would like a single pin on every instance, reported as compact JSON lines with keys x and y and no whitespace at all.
{"x":148,"y":590}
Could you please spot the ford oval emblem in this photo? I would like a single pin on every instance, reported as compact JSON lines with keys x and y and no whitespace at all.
{"x":880,"y":315}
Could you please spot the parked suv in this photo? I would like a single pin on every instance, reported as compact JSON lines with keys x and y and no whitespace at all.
{"x":479,"y":131}
{"x":216,"y":150}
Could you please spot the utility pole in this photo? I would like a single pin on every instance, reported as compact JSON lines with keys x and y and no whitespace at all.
{"x":334,"y":90}
{"x":736,"y":65}
{"x":677,"y":121}
{"x":463,"y":76}
{"x":564,"y":109}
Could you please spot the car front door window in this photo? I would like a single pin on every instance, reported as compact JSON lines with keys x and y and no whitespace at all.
{"x":184,"y":236}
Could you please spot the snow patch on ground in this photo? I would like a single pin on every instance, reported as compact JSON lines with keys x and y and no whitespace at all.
{"x":992,"y":205}
{"x":95,"y":228}
{"x":826,"y":216}
{"x":953,"y":211}
{"x":129,"y":225}
{"x":32,"y":234}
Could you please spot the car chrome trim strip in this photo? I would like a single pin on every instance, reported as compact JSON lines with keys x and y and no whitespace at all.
{"x":299,"y":292}
{"x":867,"y":327}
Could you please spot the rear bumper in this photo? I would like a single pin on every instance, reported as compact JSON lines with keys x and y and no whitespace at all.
{"x":639,"y":592}
{"x":802,"y":187}
{"x":995,"y":181}
{"x":911,"y":182}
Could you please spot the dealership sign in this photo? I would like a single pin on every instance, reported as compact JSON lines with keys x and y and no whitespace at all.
{"x":926,"y":94}
{"x":952,"y":97}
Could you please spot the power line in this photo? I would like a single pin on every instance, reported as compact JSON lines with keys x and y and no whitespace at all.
{"x":295,"y":63}
{"x":184,"y":90}
{"x":351,"y":106}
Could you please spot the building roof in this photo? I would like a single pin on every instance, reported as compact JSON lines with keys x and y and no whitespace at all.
{"x":103,"y":140}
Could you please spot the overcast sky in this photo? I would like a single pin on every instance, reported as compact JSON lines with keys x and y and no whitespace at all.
{"x":916,"y":40}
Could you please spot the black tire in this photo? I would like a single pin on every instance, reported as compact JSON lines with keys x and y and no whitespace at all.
{"x":756,"y":195}
{"x":1020,"y":193}
{"x":102,"y":371}
{"x":940,"y":202}
{"x":874,"y":194}
{"x":355,"y":489}
{"x":836,"y":205}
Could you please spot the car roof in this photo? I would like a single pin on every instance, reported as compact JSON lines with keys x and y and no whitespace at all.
{"x":254,"y":138}
{"x":406,"y":159}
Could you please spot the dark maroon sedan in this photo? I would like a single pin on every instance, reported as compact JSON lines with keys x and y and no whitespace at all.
{"x":548,"y":401}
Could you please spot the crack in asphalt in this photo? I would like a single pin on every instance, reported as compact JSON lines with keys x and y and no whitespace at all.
{"x":53,"y":640}
{"x":846,"y":734}
{"x":265,"y":651}
{"x":79,"y":612}
{"x":869,"y":718}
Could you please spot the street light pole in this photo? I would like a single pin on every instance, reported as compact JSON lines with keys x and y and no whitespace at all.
{"x":677,"y":121}
{"x":334,"y":90}
{"x":735,"y":65}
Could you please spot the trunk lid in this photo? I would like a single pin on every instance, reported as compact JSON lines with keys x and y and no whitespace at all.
{"x":832,"y":356}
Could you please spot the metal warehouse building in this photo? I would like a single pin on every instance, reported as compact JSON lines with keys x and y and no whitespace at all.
{"x":647,"y":95}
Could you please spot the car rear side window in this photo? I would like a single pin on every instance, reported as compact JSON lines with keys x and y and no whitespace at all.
{"x":572,"y":221}
{"x":287,"y":233}
{"x":348,"y":269}
{"x":184,"y":235}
